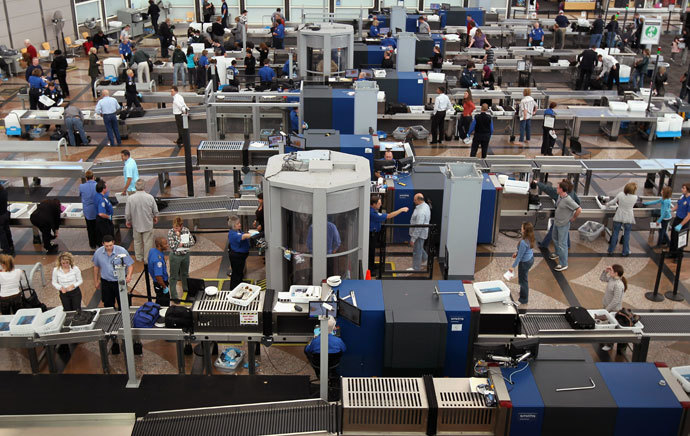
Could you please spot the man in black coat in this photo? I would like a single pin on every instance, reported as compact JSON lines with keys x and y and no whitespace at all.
{"x":46,"y":218}
{"x":59,"y":69}
{"x":588,"y":59}
{"x":154,"y":12}
{"x":166,"y":37}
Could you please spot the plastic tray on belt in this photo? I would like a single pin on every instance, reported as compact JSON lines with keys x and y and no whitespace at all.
{"x":400,"y":133}
{"x":682,"y":373}
{"x":17,"y":209}
{"x":5,"y":321}
{"x":618,"y":106}
{"x":637,"y":106}
{"x":74,"y":210}
{"x":611,"y":321}
{"x":25,"y":322}
{"x":253,"y":290}
{"x":491,"y":291}
{"x":50,"y":322}
{"x":419,"y":132}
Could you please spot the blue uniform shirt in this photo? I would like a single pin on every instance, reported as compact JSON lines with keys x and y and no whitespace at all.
{"x":87,"y":192}
{"x":683,"y":207}
{"x":335,"y":345}
{"x":131,"y":170}
{"x":203,"y":61}
{"x":156,"y":261}
{"x":536,"y":34}
{"x":374,"y":31}
{"x":280,"y":31}
{"x":103,"y":205}
{"x":36,"y":82}
{"x":375,"y":219}
{"x":105,"y":262}
{"x":389,"y":42}
{"x":235,"y":72}
{"x":294,"y":121}
{"x":332,"y":238}
{"x":286,"y":67}
{"x":237,"y":244}
{"x":266,"y":73}
{"x":125,"y":49}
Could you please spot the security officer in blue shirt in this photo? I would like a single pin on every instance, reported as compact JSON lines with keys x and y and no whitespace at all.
{"x":680,"y":222}
{"x":536,"y":35}
{"x":374,"y":30}
{"x":238,"y":250}
{"x":294,"y":121}
{"x":376,"y":218}
{"x":126,"y":50}
{"x":335,"y":344}
{"x":104,"y":210}
{"x":279,"y":35}
{"x":159,"y":272}
{"x":266,"y":74}
{"x":389,"y":41}
{"x":232,"y":70}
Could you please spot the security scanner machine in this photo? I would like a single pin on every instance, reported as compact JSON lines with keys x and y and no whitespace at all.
{"x":317,"y":217}
{"x":349,"y":111}
{"x":135,"y":18}
{"x":325,"y":49}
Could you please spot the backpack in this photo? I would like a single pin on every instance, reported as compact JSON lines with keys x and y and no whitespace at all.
{"x":178,"y":317}
{"x":146,"y":315}
{"x":626,"y":318}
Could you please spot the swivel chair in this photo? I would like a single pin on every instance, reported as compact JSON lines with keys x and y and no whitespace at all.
{"x":333,"y":376}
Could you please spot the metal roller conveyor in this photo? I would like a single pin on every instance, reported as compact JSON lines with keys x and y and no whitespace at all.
{"x":620,"y":166}
{"x":159,"y":166}
{"x":200,"y":207}
{"x":29,"y":168}
{"x":190,"y":98}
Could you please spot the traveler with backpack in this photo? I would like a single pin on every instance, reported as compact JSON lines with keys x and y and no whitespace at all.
{"x":159,"y":271}
{"x":104,"y":261}
{"x":67,"y":279}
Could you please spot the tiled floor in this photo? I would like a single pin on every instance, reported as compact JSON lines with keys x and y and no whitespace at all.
{"x":209,"y":259}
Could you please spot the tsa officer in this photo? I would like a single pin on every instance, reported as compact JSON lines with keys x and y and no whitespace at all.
{"x":159,"y":271}
{"x":376,"y":218}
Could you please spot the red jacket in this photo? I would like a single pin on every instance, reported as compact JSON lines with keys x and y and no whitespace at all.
{"x":31,"y":50}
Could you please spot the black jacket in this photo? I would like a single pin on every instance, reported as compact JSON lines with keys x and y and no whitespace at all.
{"x":437,"y":60}
{"x":3,"y":201}
{"x":482,"y":126}
{"x":387,"y":63}
{"x":598,"y":27}
{"x":217,"y":29}
{"x":165,"y":32}
{"x":131,"y":85}
{"x":47,"y":213}
{"x":588,"y":59}
{"x":59,"y":64}
{"x":154,"y":10}
{"x":250,"y":65}
{"x":100,"y":40}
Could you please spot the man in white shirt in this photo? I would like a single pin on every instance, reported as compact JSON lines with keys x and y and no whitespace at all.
{"x":421,"y":215}
{"x":609,"y":70}
{"x":125,"y":33}
{"x":179,"y":108}
{"x":438,"y":118}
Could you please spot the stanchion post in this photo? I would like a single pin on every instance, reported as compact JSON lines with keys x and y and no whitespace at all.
{"x":673,"y":295}
{"x":189,"y":171}
{"x":655,"y":296}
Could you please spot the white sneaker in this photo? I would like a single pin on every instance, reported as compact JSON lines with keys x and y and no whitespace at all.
{"x":409,"y":269}
{"x":560,"y":268}
{"x":606,"y":348}
{"x":553,"y":256}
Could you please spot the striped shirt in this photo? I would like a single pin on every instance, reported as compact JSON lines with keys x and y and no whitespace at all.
{"x":490,"y":56}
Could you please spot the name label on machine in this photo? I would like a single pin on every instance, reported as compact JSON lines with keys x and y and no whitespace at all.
{"x":456,"y":323}
{"x":249,"y":318}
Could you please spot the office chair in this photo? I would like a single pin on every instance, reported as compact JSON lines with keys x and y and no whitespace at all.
{"x":333,"y":376}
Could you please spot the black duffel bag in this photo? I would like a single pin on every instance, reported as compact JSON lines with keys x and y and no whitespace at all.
{"x":178,"y":317}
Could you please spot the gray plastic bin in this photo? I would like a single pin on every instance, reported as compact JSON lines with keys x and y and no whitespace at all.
{"x":590,"y":230}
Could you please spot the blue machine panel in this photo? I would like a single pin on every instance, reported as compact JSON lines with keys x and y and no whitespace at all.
{"x":443,"y":17}
{"x":644,"y":407}
{"x":438,"y":40}
{"x":343,"y":111}
{"x":528,"y":408}
{"x":358,"y":145}
{"x":411,"y":23}
{"x":477,"y":15}
{"x":404,"y":196}
{"x":364,"y":356}
{"x":486,"y":212}
{"x":459,"y":316}
{"x":411,"y":88}
{"x":375,"y":55}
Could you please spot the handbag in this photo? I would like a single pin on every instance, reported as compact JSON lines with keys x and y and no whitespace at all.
{"x":29,"y":297}
{"x":627,"y":318}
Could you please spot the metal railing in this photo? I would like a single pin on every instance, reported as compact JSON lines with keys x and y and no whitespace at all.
{"x":430,"y":246}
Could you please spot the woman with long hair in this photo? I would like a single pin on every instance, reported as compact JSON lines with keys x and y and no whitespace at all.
{"x":616,"y":285}
{"x":524,"y":259}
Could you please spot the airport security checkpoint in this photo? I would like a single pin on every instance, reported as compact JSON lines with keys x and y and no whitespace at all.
{"x":332,"y":218}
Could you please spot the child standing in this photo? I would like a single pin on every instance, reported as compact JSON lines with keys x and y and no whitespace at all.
{"x":524,"y":259}
{"x":665,"y":217}
{"x":675,"y":48}
{"x":616,"y":285}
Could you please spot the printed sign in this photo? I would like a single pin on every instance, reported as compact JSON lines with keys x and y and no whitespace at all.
{"x":651,"y":32}
{"x":249,"y":318}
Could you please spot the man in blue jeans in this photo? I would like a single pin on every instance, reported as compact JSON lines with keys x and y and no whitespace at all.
{"x":107,"y":107}
{"x":553,"y":193}
{"x":597,"y":32}
{"x":74,"y":119}
{"x":567,"y":212}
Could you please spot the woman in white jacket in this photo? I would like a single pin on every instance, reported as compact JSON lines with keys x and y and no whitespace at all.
{"x":624,"y":217}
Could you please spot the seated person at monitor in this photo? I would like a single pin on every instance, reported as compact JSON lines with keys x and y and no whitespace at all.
{"x":266,"y":73}
{"x":388,"y":155}
{"x":363,"y":76}
{"x":389,"y":41}
{"x":374,"y":31}
{"x":335,"y":344}
{"x":387,"y":61}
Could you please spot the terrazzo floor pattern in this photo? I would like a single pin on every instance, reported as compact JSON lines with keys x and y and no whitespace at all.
{"x":210,"y":259}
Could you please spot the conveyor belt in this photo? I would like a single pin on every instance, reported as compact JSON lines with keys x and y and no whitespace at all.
{"x":666,"y":323}
{"x":589,"y":203}
{"x":180,"y":205}
{"x":532,"y":324}
{"x":105,"y":322}
{"x":622,"y":164}
{"x":290,"y":417}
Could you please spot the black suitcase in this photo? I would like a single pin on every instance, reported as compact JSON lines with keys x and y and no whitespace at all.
{"x":579,"y":318}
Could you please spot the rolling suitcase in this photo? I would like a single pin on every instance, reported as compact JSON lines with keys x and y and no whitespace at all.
{"x":579,"y":318}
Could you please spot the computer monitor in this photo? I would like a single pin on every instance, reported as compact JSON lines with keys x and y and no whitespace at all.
{"x":276,"y":141}
{"x":299,"y":142}
{"x":445,"y":6}
{"x":383,"y":31}
{"x":405,"y":164}
{"x":350,"y":312}
{"x":435,"y":6}
{"x":352,"y":74}
{"x":316,"y":309}
{"x":385,"y":166}
{"x":368,"y":74}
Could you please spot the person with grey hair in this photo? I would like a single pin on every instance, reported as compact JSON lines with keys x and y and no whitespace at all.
{"x":335,"y":344}
{"x":238,"y":250}
{"x":141,"y":213}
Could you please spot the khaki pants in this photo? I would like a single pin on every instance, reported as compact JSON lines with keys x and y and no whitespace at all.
{"x":143,"y":70}
{"x":143,"y":243}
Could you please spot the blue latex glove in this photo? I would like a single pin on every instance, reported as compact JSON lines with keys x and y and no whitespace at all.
{"x":541,"y":43}
{"x":166,"y":290}
{"x":677,"y":228}
{"x":529,"y":44}
{"x":139,"y":95}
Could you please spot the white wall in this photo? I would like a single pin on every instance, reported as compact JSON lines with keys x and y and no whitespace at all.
{"x":24,"y":17}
